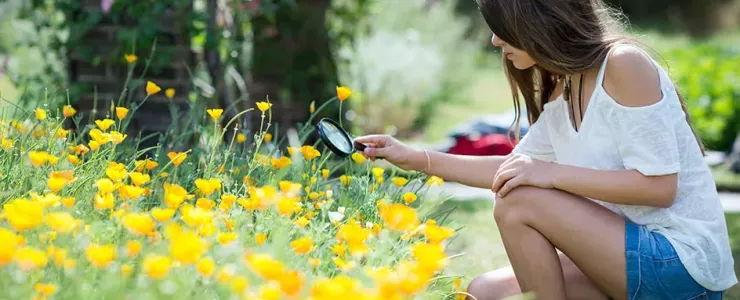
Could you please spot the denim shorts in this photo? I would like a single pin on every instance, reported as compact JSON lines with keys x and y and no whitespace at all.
{"x":654,"y":270}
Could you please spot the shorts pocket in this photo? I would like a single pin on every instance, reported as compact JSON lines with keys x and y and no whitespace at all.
{"x":674,"y":282}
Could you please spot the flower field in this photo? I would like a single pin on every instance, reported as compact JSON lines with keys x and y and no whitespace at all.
{"x":86,"y":215}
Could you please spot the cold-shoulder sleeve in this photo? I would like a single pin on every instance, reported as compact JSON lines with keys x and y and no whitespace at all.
{"x":536,"y":142}
{"x":647,"y":136}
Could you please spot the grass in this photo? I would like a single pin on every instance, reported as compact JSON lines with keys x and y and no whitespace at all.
{"x":733,"y":227}
{"x":478,"y":241}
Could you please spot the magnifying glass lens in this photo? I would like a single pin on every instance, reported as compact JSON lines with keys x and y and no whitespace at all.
{"x":337,"y":137}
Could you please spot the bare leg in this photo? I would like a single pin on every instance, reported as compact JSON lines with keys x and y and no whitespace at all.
{"x":534,"y":221}
{"x":502,"y":283}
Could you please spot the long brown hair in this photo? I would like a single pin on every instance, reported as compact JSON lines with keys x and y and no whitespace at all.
{"x":562,"y":36}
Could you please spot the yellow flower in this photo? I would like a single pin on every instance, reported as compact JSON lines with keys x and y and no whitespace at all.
{"x":345,"y":179}
{"x":61,"y":222}
{"x":121,"y":112}
{"x":105,"y":185}
{"x":314,"y":262}
{"x":409,"y":197}
{"x":170,"y":93}
{"x":45,"y":289}
{"x":174,"y":195}
{"x":195,"y":216}
{"x":260,"y":238}
{"x":177,"y":157}
{"x":430,"y":257}
{"x":227,"y":201}
{"x":157,"y":266}
{"x":398,"y":217}
{"x":325,"y":173}
{"x":162,"y":214}
{"x":399,"y":181}
{"x":40,"y":114}
{"x":434,"y":180}
{"x":187,"y":247}
{"x":312,"y":108}
{"x":207,"y":187}
{"x":74,"y":160}
{"x":38,"y":158}
{"x":130,"y":58}
{"x":126,"y":270}
{"x":7,"y":143}
{"x":302,"y":245}
{"x":269,"y":291}
{"x":117,"y":137}
{"x":103,"y":201}
{"x":104,"y":124}
{"x":133,"y":248}
{"x":205,"y":266}
{"x":290,"y":283}
{"x":282,"y":162}
{"x":68,"y":111}
{"x":30,"y":258}
{"x":301,"y":222}
{"x":355,"y":236}
{"x":226,"y":237}
{"x":58,"y":179}
{"x":378,"y":172}
{"x":100,"y":255}
{"x":358,"y":158}
{"x":61,"y":133}
{"x":225,"y":275}
{"x":339,"y":287}
{"x":8,"y":247}
{"x":23,"y":214}
{"x":309,"y":152}
{"x":265,"y":266}
{"x":205,"y":203}
{"x":263,"y":106}
{"x":339,"y":249}
{"x":139,"y":179}
{"x":68,"y":202}
{"x":286,"y":206}
{"x":343,"y":265}
{"x":239,"y":284}
{"x":436,"y":234}
{"x":81,"y":149}
{"x":268,"y":137}
{"x":215,"y":113}
{"x":343,"y":93}
{"x":152,"y":88}
{"x":139,"y":223}
{"x":116,"y":171}
{"x":241,"y":138}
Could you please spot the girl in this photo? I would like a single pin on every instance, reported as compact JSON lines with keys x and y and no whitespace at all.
{"x":608,"y":194}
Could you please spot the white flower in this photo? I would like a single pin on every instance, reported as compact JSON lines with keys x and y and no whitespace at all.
{"x":335,"y":216}
{"x":341,"y":209}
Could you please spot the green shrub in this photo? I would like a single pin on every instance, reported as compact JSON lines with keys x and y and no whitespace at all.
{"x":708,"y":76}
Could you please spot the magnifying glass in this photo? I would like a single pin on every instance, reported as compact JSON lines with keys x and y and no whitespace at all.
{"x":337,"y":139}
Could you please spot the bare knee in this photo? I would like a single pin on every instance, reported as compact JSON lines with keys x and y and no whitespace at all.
{"x":516,"y":206}
{"x":494,"y":285}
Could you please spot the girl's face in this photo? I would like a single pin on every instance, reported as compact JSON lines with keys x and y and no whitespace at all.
{"x":518,"y":57}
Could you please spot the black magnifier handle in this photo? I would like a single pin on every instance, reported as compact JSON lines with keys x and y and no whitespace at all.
{"x":361,"y":147}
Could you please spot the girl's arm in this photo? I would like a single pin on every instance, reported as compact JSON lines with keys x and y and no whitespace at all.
{"x":477,"y":171}
{"x":474,"y":171}
{"x":622,"y":187}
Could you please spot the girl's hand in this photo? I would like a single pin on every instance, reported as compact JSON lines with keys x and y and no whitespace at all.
{"x":522,"y":170}
{"x":395,"y":152}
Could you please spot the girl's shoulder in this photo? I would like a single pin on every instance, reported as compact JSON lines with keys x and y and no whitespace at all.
{"x":631,"y":77}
